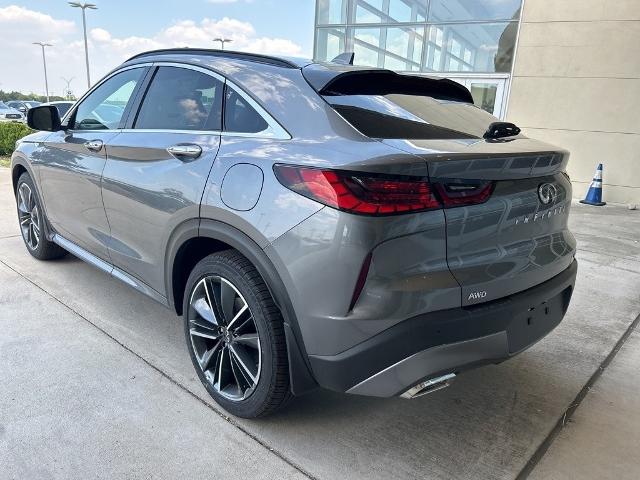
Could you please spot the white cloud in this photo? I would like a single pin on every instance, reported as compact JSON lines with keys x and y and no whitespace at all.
{"x":20,"y":27}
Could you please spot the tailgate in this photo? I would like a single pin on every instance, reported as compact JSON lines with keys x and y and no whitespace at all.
{"x":519,"y":237}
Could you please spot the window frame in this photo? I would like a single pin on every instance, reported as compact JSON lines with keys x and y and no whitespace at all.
{"x":273,"y":131}
{"x":70,"y":117}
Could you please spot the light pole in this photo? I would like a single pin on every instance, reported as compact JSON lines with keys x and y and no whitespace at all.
{"x":84,"y":6}
{"x":44,"y":62}
{"x":223,"y":41}
{"x":67,"y":91}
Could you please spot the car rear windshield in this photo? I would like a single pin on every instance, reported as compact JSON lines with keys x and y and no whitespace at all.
{"x":408,"y":116}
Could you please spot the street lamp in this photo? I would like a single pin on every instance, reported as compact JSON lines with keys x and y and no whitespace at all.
{"x":44,"y":62}
{"x":84,"y":6}
{"x":67,"y":91}
{"x":222,"y":41}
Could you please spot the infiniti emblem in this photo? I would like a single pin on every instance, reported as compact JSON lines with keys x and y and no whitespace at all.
{"x":547,"y":193}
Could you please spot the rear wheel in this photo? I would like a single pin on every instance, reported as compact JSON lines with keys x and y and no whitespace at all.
{"x":235,"y":336}
{"x":31,"y":218}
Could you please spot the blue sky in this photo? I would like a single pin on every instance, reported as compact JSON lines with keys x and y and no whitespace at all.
{"x":120,"y":28}
{"x":292,"y":19}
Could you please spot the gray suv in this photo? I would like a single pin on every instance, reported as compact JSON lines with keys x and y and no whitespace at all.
{"x":316,"y":225}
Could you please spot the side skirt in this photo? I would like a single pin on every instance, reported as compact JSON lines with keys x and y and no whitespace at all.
{"x":106,"y":267}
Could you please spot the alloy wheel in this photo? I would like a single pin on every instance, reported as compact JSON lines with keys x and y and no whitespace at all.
{"x":29,"y":216}
{"x":224,"y":338}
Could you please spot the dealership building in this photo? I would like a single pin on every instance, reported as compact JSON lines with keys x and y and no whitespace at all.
{"x":566,"y":72}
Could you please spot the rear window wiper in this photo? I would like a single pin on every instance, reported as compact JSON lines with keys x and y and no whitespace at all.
{"x":501,"y":130}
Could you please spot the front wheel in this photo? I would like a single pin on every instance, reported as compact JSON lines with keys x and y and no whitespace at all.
{"x":235,"y":336}
{"x":31,"y":218}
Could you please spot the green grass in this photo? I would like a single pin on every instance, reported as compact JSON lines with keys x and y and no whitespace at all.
{"x":5,"y":161}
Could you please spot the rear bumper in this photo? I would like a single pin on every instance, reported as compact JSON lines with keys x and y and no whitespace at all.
{"x":447,"y":341}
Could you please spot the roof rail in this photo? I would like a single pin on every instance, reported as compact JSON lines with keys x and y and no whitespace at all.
{"x":251,"y":57}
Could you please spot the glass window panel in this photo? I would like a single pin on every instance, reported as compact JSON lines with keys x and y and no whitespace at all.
{"x":332,"y":11}
{"x":329,"y":43}
{"x":404,"y":41}
{"x":455,"y":10}
{"x":364,"y":15}
{"x":239,"y":116}
{"x":484,"y":95}
{"x":486,"y":47}
{"x":370,"y":36}
{"x":405,"y":115}
{"x":104,"y":107}
{"x":365,"y":56}
{"x":181,"y":99}
{"x":400,"y":11}
{"x":404,"y":45}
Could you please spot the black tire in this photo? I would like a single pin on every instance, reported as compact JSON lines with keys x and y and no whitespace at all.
{"x":34,"y":236}
{"x":271,"y":390}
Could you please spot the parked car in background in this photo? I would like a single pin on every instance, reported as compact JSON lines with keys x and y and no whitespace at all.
{"x":316,"y":225}
{"x":63,"y":106}
{"x":23,"y":105}
{"x":9,"y":114}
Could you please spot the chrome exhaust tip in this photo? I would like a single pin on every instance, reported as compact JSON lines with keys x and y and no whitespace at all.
{"x":429,"y":386}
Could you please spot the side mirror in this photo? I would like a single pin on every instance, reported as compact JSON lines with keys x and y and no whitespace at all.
{"x":23,"y":109}
{"x":45,"y":118}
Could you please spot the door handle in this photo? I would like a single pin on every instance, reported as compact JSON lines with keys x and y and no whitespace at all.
{"x":94,"y":145}
{"x":185,"y":151}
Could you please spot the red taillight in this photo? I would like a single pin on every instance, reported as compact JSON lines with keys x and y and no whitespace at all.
{"x":358,"y":192}
{"x":370,"y":194}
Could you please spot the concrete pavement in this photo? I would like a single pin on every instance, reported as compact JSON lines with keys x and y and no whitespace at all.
{"x":489,"y":424}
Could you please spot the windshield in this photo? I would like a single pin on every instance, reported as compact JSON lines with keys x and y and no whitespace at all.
{"x":407,"y":116}
{"x":33,"y":104}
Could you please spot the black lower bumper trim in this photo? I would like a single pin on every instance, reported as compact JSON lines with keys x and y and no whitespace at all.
{"x":526,"y":317}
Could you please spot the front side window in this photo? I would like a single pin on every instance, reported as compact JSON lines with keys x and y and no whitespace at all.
{"x":104,"y":107}
{"x":182,"y":99}
{"x":240,"y":116}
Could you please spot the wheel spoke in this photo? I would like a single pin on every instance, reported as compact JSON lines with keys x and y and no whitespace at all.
{"x":213,"y":294}
{"x":244,"y":360}
{"x":208,"y":355}
{"x":227,"y":300}
{"x":197,"y":333}
{"x":22,"y":203}
{"x":249,"y":339}
{"x":243,"y":312}
{"x":244,"y":381}
{"x":204,"y":310}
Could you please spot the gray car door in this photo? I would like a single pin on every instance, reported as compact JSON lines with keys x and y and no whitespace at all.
{"x":73,"y":159}
{"x":158,"y":166}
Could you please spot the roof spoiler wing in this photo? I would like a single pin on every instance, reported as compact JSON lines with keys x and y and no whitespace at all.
{"x":341,"y":79}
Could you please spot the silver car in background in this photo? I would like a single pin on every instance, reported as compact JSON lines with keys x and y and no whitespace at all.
{"x":9,"y":114}
{"x":316,"y":225}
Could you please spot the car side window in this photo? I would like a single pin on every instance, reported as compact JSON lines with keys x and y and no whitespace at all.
{"x":240,"y":116}
{"x":182,"y":99}
{"x":104,"y":107}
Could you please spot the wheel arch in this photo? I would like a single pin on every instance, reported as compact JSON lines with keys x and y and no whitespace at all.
{"x":195,"y":239}
{"x":19,"y":166}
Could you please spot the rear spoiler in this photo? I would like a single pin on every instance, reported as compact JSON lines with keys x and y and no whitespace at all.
{"x":347,"y":80}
